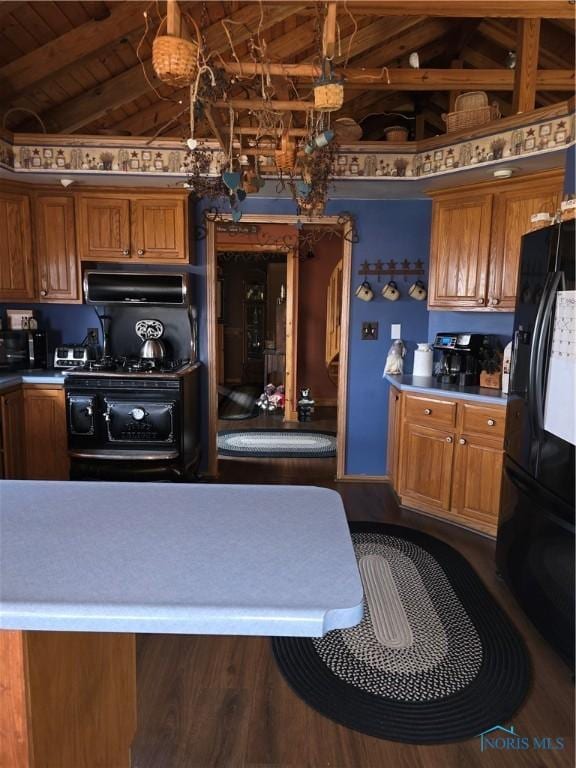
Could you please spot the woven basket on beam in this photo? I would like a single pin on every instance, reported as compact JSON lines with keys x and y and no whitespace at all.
{"x":328,"y":97}
{"x":175,"y":60}
{"x":471,"y":109}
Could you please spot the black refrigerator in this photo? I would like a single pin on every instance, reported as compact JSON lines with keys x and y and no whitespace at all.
{"x":535,"y":546}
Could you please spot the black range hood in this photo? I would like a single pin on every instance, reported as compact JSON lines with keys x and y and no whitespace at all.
{"x":168,"y":289}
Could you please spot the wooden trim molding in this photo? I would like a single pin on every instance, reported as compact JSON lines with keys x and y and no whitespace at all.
{"x":363,"y":479}
{"x":212,"y":462}
{"x":507,"y":140}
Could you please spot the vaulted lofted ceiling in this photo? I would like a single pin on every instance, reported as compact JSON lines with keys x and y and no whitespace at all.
{"x":85,"y":67}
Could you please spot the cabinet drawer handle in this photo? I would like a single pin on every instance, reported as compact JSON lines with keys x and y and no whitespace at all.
{"x":140,"y":252}
{"x":462,"y":441}
{"x":427,"y":411}
{"x":491,"y":422}
{"x":448,"y":439}
{"x":480,"y":301}
{"x":126,"y":252}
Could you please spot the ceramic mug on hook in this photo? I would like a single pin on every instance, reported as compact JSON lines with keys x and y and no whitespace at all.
{"x":364,"y":291}
{"x":390,"y":291}
{"x":417,"y":291}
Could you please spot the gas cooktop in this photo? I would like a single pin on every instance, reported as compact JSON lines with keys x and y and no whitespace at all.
{"x":130,"y":366}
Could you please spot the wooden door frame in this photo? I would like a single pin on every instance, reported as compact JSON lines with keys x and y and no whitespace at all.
{"x":291,"y":333}
{"x":211,"y":321}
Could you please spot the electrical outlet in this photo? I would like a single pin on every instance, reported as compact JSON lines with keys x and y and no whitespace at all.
{"x":369,"y":331}
{"x":395,"y":331}
{"x":92,"y":337}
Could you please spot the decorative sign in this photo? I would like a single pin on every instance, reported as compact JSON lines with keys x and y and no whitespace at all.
{"x":232,"y":228}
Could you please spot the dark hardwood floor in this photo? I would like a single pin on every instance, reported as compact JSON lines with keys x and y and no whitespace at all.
{"x":220,"y":701}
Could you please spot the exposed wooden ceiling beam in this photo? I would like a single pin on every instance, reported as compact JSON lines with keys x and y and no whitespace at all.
{"x":512,"y":9}
{"x":119,"y":46}
{"x":147,"y":121}
{"x":96,"y":102}
{"x":378,"y":33}
{"x":329,"y":37}
{"x":395,"y":79}
{"x":504,"y":37}
{"x":424,"y":32}
{"x":105,"y":97}
{"x":81,"y":41}
{"x":526,"y":72}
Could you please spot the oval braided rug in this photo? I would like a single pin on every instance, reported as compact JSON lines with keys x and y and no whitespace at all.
{"x":277,"y":444}
{"x":434,"y":660}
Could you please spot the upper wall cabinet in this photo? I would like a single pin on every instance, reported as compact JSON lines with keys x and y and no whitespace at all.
{"x":135,"y":228}
{"x":16,"y":265}
{"x":475,"y":241}
{"x":57,"y":274}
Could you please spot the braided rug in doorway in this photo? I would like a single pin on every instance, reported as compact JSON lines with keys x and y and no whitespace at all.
{"x":277,"y":444}
{"x":434,"y":660}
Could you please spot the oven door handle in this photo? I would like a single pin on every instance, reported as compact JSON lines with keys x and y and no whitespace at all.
{"x":114,"y":455}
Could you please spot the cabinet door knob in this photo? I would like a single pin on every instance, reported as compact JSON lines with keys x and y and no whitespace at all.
{"x":480,"y":301}
{"x":448,"y":439}
{"x":494,"y":302}
{"x":140,"y":252}
{"x":491,"y":422}
{"x":126,"y":252}
{"x":427,"y":411}
{"x":43,"y":293}
{"x":462,"y":441}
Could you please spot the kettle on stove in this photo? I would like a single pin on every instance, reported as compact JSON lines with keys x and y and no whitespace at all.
{"x":150,"y":331}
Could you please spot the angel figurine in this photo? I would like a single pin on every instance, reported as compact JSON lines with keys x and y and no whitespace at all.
{"x":395,"y":359}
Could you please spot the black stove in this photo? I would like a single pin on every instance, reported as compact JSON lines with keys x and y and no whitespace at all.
{"x":133,"y":419}
{"x":129,"y":366}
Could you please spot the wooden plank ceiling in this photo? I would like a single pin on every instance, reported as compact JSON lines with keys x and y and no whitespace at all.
{"x":85,"y":67}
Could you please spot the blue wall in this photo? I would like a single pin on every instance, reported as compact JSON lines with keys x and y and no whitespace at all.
{"x":570,"y":176}
{"x":387,"y":229}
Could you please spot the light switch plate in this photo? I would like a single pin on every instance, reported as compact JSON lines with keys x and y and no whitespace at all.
{"x":395,"y":331}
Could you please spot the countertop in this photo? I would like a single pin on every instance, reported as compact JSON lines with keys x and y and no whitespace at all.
{"x":428,"y":385}
{"x":33,"y":376}
{"x":176,"y":558}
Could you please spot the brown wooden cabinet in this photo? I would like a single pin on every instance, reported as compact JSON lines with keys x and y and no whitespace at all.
{"x":57,"y":273}
{"x":16,"y":263}
{"x":394,"y":423}
{"x":426,"y":466}
{"x":450,"y":455}
{"x":459,"y":251}
{"x":477,"y":478}
{"x":475,"y":240}
{"x":137,"y":229}
{"x":511,"y":219}
{"x":45,"y":437}
{"x":11,"y":445}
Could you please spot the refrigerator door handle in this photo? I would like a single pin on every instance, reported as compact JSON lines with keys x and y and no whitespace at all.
{"x":540,"y":361}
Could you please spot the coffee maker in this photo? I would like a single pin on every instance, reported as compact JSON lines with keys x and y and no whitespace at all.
{"x":458,"y":364}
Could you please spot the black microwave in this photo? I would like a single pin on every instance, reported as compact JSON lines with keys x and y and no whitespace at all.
{"x":23,"y":349}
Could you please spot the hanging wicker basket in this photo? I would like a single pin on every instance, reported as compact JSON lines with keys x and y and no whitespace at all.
{"x":328,"y":97}
{"x":175,"y":60}
{"x":286,"y":155}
